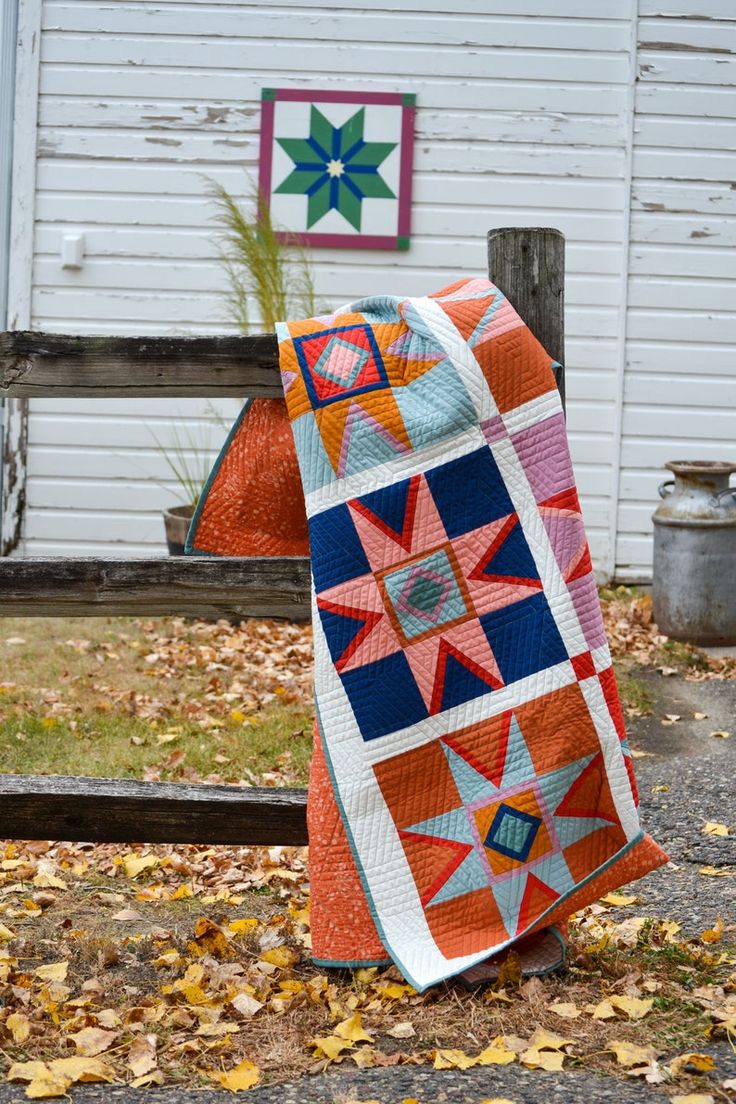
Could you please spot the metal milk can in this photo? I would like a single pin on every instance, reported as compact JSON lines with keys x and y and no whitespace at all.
{"x":694,"y":584}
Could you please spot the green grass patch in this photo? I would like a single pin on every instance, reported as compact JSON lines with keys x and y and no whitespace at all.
{"x":105,"y":746}
{"x":636,"y":696}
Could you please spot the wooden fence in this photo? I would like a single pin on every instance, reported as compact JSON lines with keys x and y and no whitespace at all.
{"x":528,"y":265}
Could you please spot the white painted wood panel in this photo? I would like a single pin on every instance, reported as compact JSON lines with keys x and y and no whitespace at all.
{"x":679,"y":398}
{"x":680,"y":383}
{"x":523,"y":119}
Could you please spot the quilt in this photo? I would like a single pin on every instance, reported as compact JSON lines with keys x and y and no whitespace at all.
{"x":465,"y":696}
{"x":471,"y":782}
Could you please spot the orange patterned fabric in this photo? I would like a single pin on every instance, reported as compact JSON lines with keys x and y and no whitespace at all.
{"x":253,"y":504}
{"x":254,"y":507}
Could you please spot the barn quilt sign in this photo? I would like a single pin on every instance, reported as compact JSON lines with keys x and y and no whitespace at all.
{"x":335,"y":167}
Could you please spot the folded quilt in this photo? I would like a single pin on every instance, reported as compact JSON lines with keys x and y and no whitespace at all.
{"x":464,"y":689}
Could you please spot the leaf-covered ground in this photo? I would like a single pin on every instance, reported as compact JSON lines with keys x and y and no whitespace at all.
{"x":190,"y":965}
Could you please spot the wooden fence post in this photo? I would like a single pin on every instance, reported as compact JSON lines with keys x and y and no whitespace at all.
{"x":528,"y":266}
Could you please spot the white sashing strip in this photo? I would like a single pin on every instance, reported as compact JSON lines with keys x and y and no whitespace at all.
{"x":536,"y":410}
{"x":471,"y":712}
{"x":390,"y":881}
{"x":517,"y":485}
{"x":403,"y":467}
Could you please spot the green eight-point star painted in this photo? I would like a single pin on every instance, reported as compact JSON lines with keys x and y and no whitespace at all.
{"x":335,"y":168}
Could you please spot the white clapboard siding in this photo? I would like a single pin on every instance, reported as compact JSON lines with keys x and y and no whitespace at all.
{"x":523,"y":119}
{"x":679,"y":399}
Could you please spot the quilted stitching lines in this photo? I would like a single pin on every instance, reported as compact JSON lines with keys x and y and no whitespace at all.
{"x":340,"y":362}
{"x":443,"y":575}
{"x":511,"y":823}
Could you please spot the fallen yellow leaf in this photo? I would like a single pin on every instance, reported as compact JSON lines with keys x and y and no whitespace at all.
{"x":54,"y":971}
{"x":142,"y":1055}
{"x":699,"y":1063}
{"x":565,"y":1009}
{"x":330,"y":1046}
{"x":547,"y":1040}
{"x":693,"y":1098}
{"x":364,"y":1058}
{"x":717,"y":872}
{"x":133,"y":865}
{"x":93,"y":1040}
{"x":54,"y":1078}
{"x":635,"y":1008}
{"x":242,"y":927}
{"x":619,"y":900}
{"x":209,"y":938}
{"x":713,"y":828}
{"x":26,"y":1071}
{"x":46,"y":879}
{"x":155,"y":1077}
{"x":721,"y":735}
{"x":550,"y":1060}
{"x":6,"y":934}
{"x":396,"y":991}
{"x":19,"y":1026}
{"x":49,"y":1083}
{"x":496,"y":1054}
{"x":352,"y":1030}
{"x":669,"y":929}
{"x":453,"y":1059}
{"x":629,"y":1054}
{"x":88,"y":1070}
{"x":282,"y":956}
{"x":241,"y":1077}
{"x":604,"y":1010}
{"x":713,"y":935}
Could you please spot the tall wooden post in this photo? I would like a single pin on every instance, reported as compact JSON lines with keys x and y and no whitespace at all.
{"x":528,"y":266}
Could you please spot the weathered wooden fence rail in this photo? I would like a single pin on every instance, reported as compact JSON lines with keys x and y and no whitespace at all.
{"x":199,"y":587}
{"x":526,"y":264}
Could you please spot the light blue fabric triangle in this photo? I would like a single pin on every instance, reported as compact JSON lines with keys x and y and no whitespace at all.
{"x":451,"y":826}
{"x":472,"y":786}
{"x":470,"y":875}
{"x":314,"y":463}
{"x":518,"y":766}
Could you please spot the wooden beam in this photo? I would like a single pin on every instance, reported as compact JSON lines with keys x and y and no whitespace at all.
{"x":200,"y":586}
{"x":105,"y":810}
{"x":528,"y":265}
{"x":84,"y":366}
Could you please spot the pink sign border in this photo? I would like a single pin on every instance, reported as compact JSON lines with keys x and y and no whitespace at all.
{"x":399,"y":241}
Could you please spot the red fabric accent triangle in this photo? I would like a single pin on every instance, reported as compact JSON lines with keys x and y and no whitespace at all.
{"x":632,"y":779}
{"x":370,"y":617}
{"x":493,"y":547}
{"x":478,"y":573}
{"x":405,"y":537}
{"x":563,"y":500}
{"x":607,"y":680}
{"x":582,"y":567}
{"x":428,"y":858}
{"x":590,"y":795}
{"x":536,"y":900}
{"x":583,"y":665}
{"x":497,"y":744}
{"x":446,"y":649}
